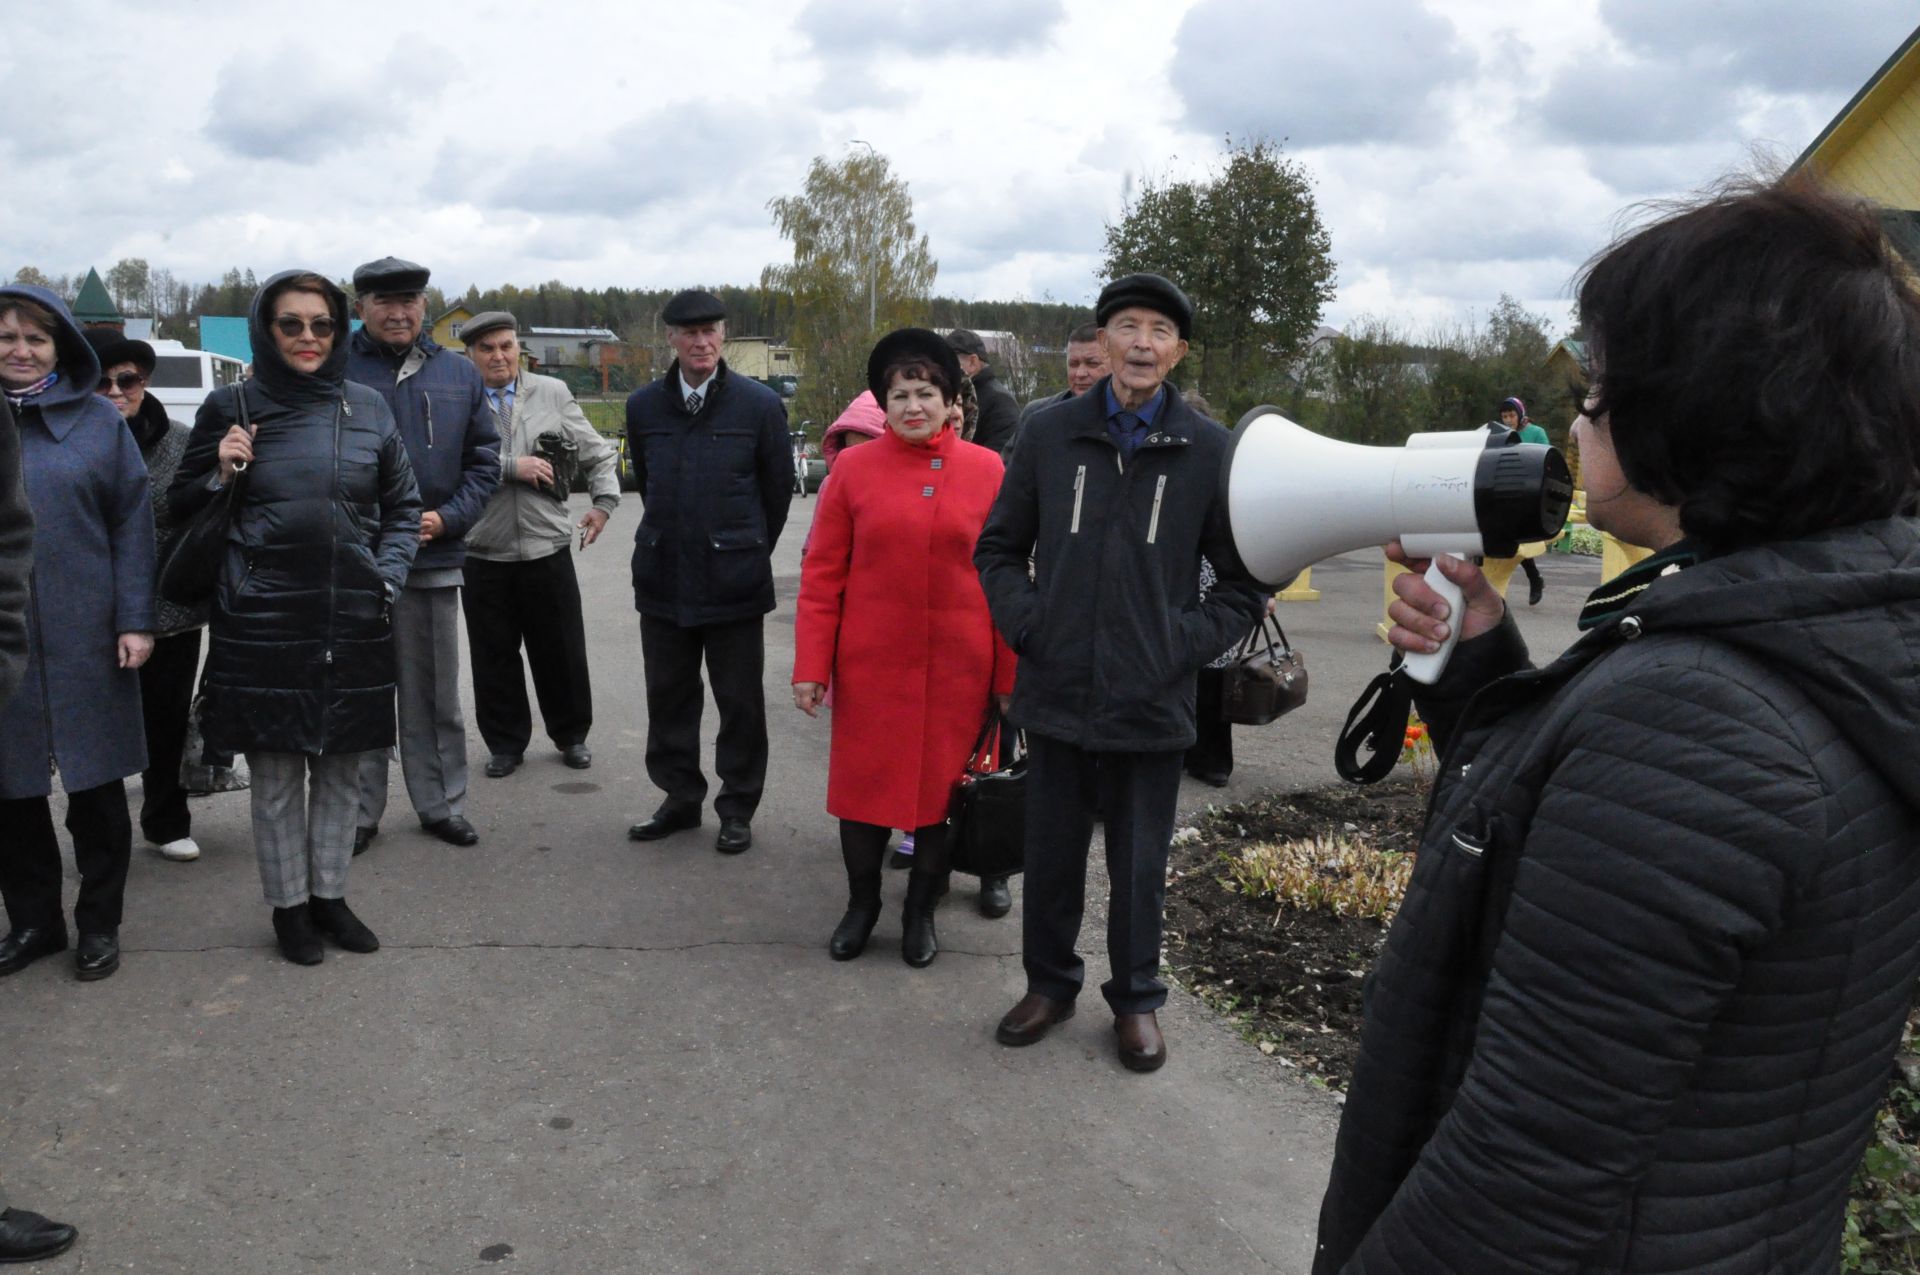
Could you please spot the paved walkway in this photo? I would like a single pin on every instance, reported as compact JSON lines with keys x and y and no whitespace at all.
{"x":575,"y":1054}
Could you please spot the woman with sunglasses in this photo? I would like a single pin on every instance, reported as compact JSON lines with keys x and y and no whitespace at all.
{"x":166,"y":679}
{"x":89,"y":627}
{"x":300,"y":671}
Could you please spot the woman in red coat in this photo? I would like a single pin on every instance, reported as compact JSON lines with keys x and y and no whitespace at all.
{"x":892,"y":616}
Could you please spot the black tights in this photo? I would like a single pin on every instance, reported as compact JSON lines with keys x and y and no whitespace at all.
{"x":863,"y":847}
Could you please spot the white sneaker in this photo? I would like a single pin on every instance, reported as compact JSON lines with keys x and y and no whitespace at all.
{"x":185,"y":850}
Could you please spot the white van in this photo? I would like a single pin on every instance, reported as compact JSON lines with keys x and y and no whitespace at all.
{"x":183,"y":378}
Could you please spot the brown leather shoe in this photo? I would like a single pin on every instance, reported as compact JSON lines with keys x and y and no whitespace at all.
{"x":1142,"y":1048}
{"x":1029,"y":1020}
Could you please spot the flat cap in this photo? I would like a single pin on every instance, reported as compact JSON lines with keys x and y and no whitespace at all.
{"x":1150,"y":291}
{"x":693,"y":305}
{"x":389,"y":274}
{"x":906,"y":345}
{"x":484,"y":322}
{"x":967,"y":341}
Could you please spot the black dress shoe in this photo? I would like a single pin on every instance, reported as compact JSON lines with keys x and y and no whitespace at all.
{"x":454,"y":830}
{"x":333,"y":918}
{"x":578,"y":756}
{"x":97,"y":956}
{"x":995,"y":899}
{"x":666,"y":821}
{"x":500,"y":765}
{"x":28,"y":1237}
{"x":1142,"y":1048}
{"x":1030,"y":1019}
{"x":299,"y":942}
{"x":362,"y":838}
{"x":735,"y":836}
{"x":28,"y":943}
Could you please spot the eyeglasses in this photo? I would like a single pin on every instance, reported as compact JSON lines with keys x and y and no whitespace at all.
{"x":291,"y":326}
{"x":125,"y":382}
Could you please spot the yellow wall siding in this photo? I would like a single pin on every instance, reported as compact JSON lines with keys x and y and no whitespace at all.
{"x":1883,"y":163}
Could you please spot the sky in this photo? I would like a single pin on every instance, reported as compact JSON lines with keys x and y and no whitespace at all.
{"x":1460,"y":149}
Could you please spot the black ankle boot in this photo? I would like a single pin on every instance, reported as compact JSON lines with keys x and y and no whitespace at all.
{"x":850,"y":936}
{"x":918,"y":943}
{"x":298,"y":942}
{"x":333,"y":918}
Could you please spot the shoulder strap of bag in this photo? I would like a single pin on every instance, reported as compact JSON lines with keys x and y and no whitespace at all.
{"x":246,"y":422}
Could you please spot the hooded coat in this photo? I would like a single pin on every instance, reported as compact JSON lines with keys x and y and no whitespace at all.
{"x":1641,"y":1001}
{"x":300,"y":655}
{"x":892,"y":619}
{"x":77,"y":710}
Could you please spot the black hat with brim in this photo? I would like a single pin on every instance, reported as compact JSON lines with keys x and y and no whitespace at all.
{"x":388,"y":275}
{"x":1149,"y":291}
{"x":908,"y":345}
{"x":114,"y":348}
{"x":694,"y":305}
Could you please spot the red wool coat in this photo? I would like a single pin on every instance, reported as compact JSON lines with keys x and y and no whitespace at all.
{"x":892,"y":617}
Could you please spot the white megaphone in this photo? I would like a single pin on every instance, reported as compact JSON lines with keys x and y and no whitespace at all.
{"x":1295,"y":498}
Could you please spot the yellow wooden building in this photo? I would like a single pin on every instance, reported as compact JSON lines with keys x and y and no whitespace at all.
{"x":445,"y":329}
{"x":1872,"y":147}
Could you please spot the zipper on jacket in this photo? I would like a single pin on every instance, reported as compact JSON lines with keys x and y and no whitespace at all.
{"x":333,"y":574}
{"x":426,"y":399}
{"x":1079,"y":490}
{"x":1153,"y":523}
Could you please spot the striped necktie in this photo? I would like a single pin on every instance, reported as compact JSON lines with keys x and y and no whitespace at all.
{"x":502,"y":415}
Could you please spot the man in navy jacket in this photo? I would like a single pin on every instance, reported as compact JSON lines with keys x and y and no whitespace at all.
{"x":440,"y":404}
{"x":714,"y":466}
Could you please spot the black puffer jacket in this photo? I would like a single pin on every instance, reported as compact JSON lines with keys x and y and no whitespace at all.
{"x":716,"y":487}
{"x":301,"y":653}
{"x":999,"y":411}
{"x":1112,"y":628}
{"x":1641,"y":1001}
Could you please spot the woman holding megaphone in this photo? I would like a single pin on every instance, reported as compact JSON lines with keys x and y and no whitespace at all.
{"x":1641,"y":1001}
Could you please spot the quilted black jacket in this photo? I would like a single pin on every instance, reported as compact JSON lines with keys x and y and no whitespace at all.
{"x":1641,"y":1001}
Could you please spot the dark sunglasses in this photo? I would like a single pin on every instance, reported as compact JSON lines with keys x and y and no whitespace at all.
{"x":291,"y":326}
{"x":125,"y":381}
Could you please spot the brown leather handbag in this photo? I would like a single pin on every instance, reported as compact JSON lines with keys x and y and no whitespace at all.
{"x":1264,"y":681}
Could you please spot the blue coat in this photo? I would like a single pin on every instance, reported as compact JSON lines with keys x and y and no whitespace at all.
{"x":440,"y":404}
{"x":93,"y":565}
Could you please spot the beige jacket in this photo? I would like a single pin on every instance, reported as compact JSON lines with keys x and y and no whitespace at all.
{"x":520,"y":522}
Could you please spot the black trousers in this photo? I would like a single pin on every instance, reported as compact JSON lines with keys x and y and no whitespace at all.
{"x":166,"y":697}
{"x":536,"y":603}
{"x":1137,"y":794}
{"x":736,"y":657}
{"x":102,"y":833}
{"x":1212,"y":750}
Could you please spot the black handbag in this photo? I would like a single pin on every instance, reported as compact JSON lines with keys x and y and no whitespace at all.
{"x":1264,"y":681}
{"x":987,"y":822}
{"x":192,"y":570}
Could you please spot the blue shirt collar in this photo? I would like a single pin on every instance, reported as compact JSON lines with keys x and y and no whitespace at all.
{"x":1148,"y":410}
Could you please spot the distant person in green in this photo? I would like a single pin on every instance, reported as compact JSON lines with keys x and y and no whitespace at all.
{"x":1513,"y":414}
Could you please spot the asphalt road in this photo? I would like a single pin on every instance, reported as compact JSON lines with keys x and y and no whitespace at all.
{"x":578,"y":1054}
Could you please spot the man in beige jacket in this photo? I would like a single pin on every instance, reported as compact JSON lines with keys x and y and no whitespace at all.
{"x":521,"y":585}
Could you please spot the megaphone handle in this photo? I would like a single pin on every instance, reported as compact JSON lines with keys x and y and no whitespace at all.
{"x":1426,"y":669}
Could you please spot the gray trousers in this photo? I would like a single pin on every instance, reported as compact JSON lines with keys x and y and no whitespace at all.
{"x":433,"y":734}
{"x":303,"y":811}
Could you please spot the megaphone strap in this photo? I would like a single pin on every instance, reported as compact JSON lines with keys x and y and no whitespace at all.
{"x":1378,"y":723}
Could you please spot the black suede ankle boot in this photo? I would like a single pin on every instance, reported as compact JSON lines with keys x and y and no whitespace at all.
{"x":298,"y":942}
{"x":333,"y":918}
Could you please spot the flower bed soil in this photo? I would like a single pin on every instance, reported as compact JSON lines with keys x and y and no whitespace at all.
{"x":1290,"y":977}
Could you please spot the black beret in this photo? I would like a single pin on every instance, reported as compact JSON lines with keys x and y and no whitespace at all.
{"x":1150,"y":291}
{"x":967,"y":341}
{"x":114,"y":348}
{"x":906,"y":344}
{"x":484,"y":322}
{"x":694,"y":305}
{"x":389,"y":274}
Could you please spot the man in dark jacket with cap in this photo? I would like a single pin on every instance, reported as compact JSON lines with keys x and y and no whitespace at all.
{"x":999,"y":410}
{"x":24,"y":1236}
{"x":440,"y":404}
{"x":1114,"y":496}
{"x":713,"y":463}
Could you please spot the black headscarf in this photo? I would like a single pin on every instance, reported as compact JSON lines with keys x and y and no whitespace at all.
{"x":280,"y":379}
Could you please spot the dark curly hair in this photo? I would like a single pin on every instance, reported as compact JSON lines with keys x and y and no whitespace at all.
{"x":912,"y":367}
{"x":1756,"y":356}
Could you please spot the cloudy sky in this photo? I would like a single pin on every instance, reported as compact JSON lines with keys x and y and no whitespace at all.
{"x":1461,"y":148}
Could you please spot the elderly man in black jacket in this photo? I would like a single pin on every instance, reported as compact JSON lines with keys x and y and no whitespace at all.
{"x":1114,"y":496}
{"x":999,"y":410}
{"x":24,"y":1236}
{"x":714,"y":466}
